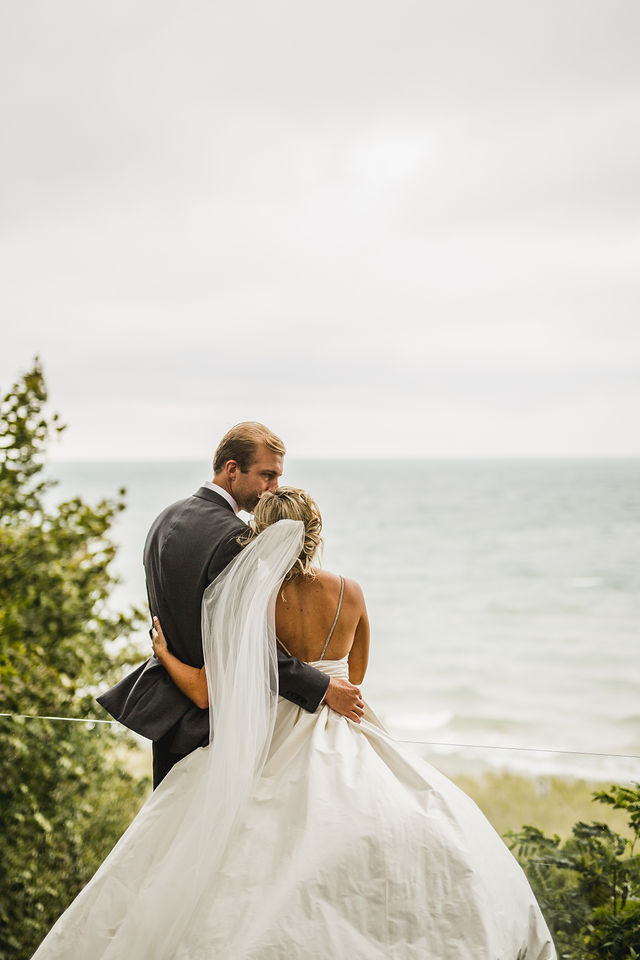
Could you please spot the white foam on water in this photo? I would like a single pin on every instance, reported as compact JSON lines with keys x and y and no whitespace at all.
{"x":585,"y":583}
{"x":418,"y":721}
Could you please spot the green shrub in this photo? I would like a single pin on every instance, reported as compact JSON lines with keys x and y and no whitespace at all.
{"x":64,"y":798}
{"x":589,"y":886}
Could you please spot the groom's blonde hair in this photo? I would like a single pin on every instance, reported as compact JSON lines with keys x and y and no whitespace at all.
{"x":290,"y":503}
{"x":241,"y":444}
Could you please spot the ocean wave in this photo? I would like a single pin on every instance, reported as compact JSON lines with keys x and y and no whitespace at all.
{"x":419,"y":721}
{"x":585,"y":583}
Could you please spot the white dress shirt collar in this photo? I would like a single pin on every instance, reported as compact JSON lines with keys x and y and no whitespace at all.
{"x":223,"y":493}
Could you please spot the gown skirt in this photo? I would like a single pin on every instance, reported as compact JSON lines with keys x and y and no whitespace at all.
{"x":349,"y":848}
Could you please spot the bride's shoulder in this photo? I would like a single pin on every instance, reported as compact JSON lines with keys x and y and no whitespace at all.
{"x":352,"y":589}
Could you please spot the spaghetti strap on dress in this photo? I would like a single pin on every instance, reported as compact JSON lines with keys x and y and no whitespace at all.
{"x":335,"y":620}
{"x":333,"y":626}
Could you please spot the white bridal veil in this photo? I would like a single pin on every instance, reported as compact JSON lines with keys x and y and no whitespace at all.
{"x":160,"y":874}
{"x":239,"y":645}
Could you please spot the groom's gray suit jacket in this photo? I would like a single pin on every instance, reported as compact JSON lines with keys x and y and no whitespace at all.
{"x":188,"y":545}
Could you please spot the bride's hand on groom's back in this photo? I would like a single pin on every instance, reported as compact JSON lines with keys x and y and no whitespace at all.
{"x":345,"y":698}
{"x":158,"y":641}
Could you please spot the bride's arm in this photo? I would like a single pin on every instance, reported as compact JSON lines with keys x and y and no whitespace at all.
{"x":191,"y":680}
{"x":359,"y":653}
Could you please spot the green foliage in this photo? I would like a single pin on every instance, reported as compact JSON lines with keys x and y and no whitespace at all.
{"x":589,"y":886}
{"x":64,"y":797}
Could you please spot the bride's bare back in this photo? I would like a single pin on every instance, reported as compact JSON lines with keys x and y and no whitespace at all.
{"x":305,"y":611}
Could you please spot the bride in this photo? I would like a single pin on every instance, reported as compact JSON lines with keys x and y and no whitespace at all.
{"x":297,"y":835}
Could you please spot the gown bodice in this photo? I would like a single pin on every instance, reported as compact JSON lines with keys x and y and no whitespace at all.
{"x":333,"y":668}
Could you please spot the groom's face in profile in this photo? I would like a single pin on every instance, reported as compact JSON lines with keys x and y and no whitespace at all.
{"x":262,"y":474}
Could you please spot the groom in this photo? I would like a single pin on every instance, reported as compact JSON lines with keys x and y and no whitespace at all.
{"x":188,"y":545}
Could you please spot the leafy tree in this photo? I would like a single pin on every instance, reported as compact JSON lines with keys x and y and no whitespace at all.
{"x":64,"y":794}
{"x":589,"y":886}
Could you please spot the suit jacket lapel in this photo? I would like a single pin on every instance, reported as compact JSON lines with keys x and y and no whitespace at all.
{"x":205,"y":494}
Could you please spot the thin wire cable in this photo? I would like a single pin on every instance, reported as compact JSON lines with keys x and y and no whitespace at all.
{"x":30,"y":716}
{"x":425,"y":743}
{"x":493,"y":746}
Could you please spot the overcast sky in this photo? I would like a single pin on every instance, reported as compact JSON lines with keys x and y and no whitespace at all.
{"x":383,"y":228}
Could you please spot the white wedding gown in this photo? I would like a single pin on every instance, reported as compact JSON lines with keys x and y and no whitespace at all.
{"x":298,"y":835}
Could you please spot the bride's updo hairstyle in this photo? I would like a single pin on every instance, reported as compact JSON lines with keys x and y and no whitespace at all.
{"x":290,"y":503}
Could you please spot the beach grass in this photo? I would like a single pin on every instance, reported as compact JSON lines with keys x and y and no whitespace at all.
{"x":551,"y":803}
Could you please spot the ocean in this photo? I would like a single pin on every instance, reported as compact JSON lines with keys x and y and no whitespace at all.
{"x":504,"y":597}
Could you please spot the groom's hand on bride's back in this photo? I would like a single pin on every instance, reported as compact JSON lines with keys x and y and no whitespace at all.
{"x":345,"y":698}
